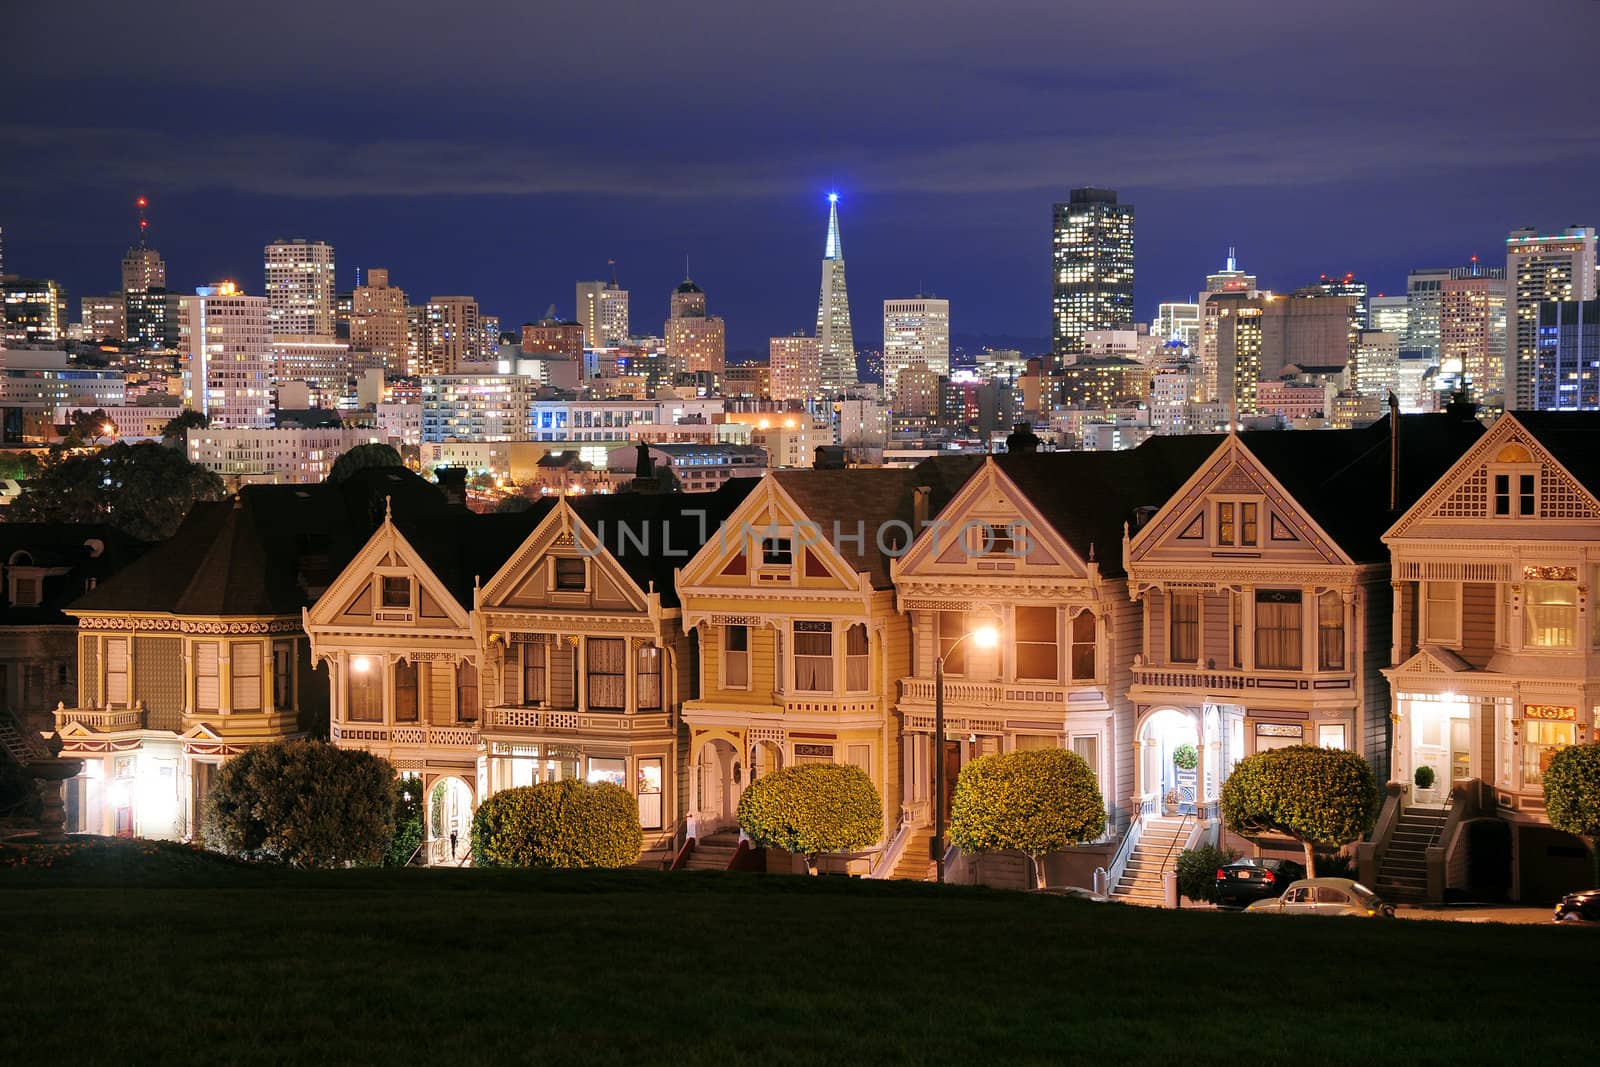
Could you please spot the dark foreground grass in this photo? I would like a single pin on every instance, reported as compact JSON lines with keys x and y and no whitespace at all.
{"x":172,"y":960}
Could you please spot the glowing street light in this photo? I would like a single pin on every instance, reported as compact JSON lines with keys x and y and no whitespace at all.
{"x":985,"y":636}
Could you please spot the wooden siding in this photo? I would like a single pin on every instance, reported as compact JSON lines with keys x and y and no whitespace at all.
{"x":1126,"y":639}
{"x":1214,"y":629}
{"x":1374,"y":727}
{"x":1477,"y":623}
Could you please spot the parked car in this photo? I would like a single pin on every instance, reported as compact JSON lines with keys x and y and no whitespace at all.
{"x":1579,"y":907}
{"x":1326,"y":896}
{"x":1247,"y":880}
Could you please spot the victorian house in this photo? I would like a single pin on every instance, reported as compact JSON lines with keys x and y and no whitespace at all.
{"x":195,"y":651}
{"x":1495,"y":657}
{"x":801,"y":643}
{"x":1265,"y":588}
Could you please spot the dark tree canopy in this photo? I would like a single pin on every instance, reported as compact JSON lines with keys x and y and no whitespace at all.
{"x":363,"y":457}
{"x":88,"y":427}
{"x":812,"y":808}
{"x":144,"y":490}
{"x":177,"y":428}
{"x":513,"y":504}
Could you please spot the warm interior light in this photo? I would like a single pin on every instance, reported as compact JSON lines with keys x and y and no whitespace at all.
{"x":360,"y":664}
{"x":986,"y":637}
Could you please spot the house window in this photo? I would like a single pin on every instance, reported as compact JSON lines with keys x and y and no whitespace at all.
{"x":1516,"y":495}
{"x":857,"y":669}
{"x":813,"y":656}
{"x":1330,"y":735}
{"x":608,"y":673}
{"x":1278,"y":629}
{"x":1083,"y":647}
{"x":777,"y":552}
{"x":467,"y":692}
{"x":246,"y":664}
{"x":207,"y":693}
{"x":647,"y":677}
{"x":736,"y":657}
{"x":1184,"y":628}
{"x":1236,"y":606}
{"x":405,"y":691}
{"x":1037,"y":652}
{"x":1271,"y":735}
{"x":996,"y":540}
{"x":117,"y":670}
{"x":952,"y":625}
{"x":364,"y":691}
{"x":396,"y":592}
{"x":283,"y":676}
{"x":25,"y":592}
{"x":1330,"y":631}
{"x":1550,"y":614}
{"x":1441,"y":612}
{"x":534,"y":655}
{"x":1540,"y":742}
{"x":1237,"y":523}
{"x":571,"y":574}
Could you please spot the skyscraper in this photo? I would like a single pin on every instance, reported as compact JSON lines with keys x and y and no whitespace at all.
{"x":836,"y":346}
{"x":795,"y":369}
{"x":145,"y":305}
{"x":1423,"y":289}
{"x":603,"y":311}
{"x":300,"y":287}
{"x":695,"y":341}
{"x":378,"y":320}
{"x":1390,"y":315}
{"x":1345,"y":286}
{"x":1565,"y":376}
{"x":35,"y":310}
{"x":916,"y":333}
{"x":454,"y":336}
{"x":1472,"y":331}
{"x":1092,"y":245}
{"x":226,"y":356}
{"x":1541,"y":267}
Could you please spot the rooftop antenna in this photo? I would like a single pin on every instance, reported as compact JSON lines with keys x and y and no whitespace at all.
{"x":613,"y":265}
{"x":144,"y":223}
{"x":358,"y":277}
{"x":1233,"y":260}
{"x":686,"y":275}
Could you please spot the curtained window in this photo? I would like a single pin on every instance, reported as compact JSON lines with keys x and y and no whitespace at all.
{"x":1184,"y":628}
{"x":364,"y":691}
{"x":534,"y":654}
{"x":1037,"y":651}
{"x":1236,"y":606}
{"x":117,"y":671}
{"x":857,"y":666}
{"x":608,"y":673}
{"x":952,"y":625}
{"x":647,"y":677}
{"x":1330,"y":631}
{"x":1550,"y":615}
{"x":813,"y":656}
{"x":1441,"y":611}
{"x":466,"y":692}
{"x":736,"y":657}
{"x":1278,"y":629}
{"x":207,"y":691}
{"x":1084,"y":626}
{"x":405,"y":691}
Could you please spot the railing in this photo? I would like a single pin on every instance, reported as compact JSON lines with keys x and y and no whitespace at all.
{"x":893,"y":848}
{"x":1236,"y":680}
{"x":101,"y":718}
{"x":1369,"y":853}
{"x":1464,"y":802}
{"x":1124,"y":853}
{"x":1177,"y":837}
{"x":990,"y":694}
{"x":408,"y":734}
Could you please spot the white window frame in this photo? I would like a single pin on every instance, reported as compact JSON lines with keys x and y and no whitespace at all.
{"x":1424,"y":602}
{"x":1238,"y":503}
{"x":728,"y":653}
{"x":1515,"y":472}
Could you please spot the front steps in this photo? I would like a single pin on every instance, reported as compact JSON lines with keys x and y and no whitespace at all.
{"x":1403,"y":872}
{"x":915,"y":865}
{"x":713,"y":853}
{"x":1154,"y":855}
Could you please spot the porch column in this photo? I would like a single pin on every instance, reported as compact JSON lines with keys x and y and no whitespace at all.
{"x":580,"y":667}
{"x":1138,"y":778}
{"x":1396,"y":622}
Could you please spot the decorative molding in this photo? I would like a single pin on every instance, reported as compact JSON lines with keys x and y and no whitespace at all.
{"x":185,"y":624}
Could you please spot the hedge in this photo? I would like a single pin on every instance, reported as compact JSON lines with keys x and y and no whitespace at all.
{"x":1572,"y":795}
{"x":1036,"y":801}
{"x":811,"y":809}
{"x":557,"y":824}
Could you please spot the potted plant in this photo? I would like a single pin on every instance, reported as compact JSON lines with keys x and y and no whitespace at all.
{"x":1170,"y":802}
{"x":1423,"y":777}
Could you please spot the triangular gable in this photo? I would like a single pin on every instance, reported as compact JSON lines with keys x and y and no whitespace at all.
{"x":200,"y":732}
{"x":952,"y":542}
{"x":1431,"y":659}
{"x":725,"y":560}
{"x":525,"y":579}
{"x":1185,"y":529}
{"x":1462,"y":495}
{"x":350,"y":601}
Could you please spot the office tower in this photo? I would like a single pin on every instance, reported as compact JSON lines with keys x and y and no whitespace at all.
{"x":1345,"y":286}
{"x":1541,"y":267}
{"x":1375,"y":370}
{"x":104,"y":318}
{"x":1230,"y":279}
{"x":603,"y":311}
{"x":695,"y":341}
{"x":488,"y":336}
{"x":1092,"y":267}
{"x":300,"y":287}
{"x":142,"y":269}
{"x":1423,"y":288}
{"x":1248,"y":337}
{"x":1391,"y":315}
{"x":453,"y":334}
{"x":796,"y":367}
{"x":552,"y":336}
{"x":1231,"y":344}
{"x":916,"y":333}
{"x":1567,"y":365}
{"x":1177,"y":322}
{"x":225,"y":354}
{"x":322,"y":363}
{"x":1309,"y":329}
{"x":1472,"y":331}
{"x":836,"y":346}
{"x":378,"y":320}
{"x":35,"y":310}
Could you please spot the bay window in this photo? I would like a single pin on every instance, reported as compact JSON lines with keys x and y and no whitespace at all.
{"x":1441,"y":612}
{"x":405,"y":691}
{"x":246,"y":663}
{"x":364,"y":691}
{"x":1330,"y":632}
{"x":608,"y":673}
{"x":1550,"y":615}
{"x":1037,"y":657}
{"x":207,"y":691}
{"x":1278,"y":629}
{"x":952,"y":626}
{"x":467,"y":693}
{"x":1541,"y":740}
{"x":534,"y":657}
{"x":736,"y":657}
{"x":813,"y":656}
{"x":1084,"y":627}
{"x":647,"y":677}
{"x":117,"y":671}
{"x":857,"y":663}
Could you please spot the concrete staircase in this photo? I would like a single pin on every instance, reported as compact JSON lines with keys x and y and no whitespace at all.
{"x":1155,"y":854}
{"x":713,"y":853}
{"x":1403,"y":871}
{"x":914,"y":864}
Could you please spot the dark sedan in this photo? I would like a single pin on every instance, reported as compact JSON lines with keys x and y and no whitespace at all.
{"x":1245,"y":881}
{"x":1581,"y":907}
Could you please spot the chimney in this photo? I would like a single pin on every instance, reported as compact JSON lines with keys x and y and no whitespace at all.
{"x":453,"y":484}
{"x":919,"y":508}
{"x":643,"y":466}
{"x":1394,"y":452}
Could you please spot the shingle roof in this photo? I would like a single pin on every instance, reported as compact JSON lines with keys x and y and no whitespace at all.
{"x":92,"y":552}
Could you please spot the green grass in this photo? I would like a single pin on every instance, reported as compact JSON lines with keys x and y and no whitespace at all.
{"x":172,"y":957}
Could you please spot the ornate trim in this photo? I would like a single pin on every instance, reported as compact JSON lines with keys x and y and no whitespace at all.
{"x":182,"y":624}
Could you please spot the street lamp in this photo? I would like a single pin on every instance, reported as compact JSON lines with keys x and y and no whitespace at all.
{"x":985,"y":636}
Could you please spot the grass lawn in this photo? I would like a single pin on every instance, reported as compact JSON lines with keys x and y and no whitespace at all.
{"x":135,"y":955}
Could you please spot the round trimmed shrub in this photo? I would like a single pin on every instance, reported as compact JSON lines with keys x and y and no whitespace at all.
{"x":1036,"y":801}
{"x":303,"y":803}
{"x":1318,"y":796}
{"x":1572,"y":795}
{"x":1423,"y":777}
{"x":558,"y":824}
{"x":812,"y":808}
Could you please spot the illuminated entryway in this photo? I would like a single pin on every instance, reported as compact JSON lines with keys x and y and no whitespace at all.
{"x":1438,"y":729}
{"x":717,"y":784}
{"x":449,"y":821}
{"x":1171,"y":762}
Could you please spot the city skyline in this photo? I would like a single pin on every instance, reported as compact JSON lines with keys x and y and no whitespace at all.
{"x":1304,"y":178}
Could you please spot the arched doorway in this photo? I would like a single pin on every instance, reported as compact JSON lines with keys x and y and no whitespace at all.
{"x":1170,"y":756}
{"x":765,"y":758}
{"x":449,"y":821}
{"x":716,"y":786}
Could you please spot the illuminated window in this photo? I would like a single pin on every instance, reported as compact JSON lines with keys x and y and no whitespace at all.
{"x":1278,"y":629}
{"x":813,"y":656}
{"x":1037,"y":657}
{"x":1550,"y":615}
{"x":1441,"y":612}
{"x":1330,"y":633}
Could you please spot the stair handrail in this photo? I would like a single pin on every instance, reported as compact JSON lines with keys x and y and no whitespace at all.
{"x":1370,"y":853}
{"x":1444,"y":817}
{"x":892,"y":850}
{"x":1124,"y":852}
{"x":1176,"y":837}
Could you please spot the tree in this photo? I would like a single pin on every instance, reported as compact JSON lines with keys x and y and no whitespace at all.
{"x":514,"y":504}
{"x":303,"y":803}
{"x":812,"y":808}
{"x":407,"y":823}
{"x":1572,"y":795}
{"x":144,"y":490}
{"x":1037,"y":801}
{"x":19,"y":466}
{"x":1318,"y":796}
{"x":88,"y":427}
{"x":558,"y":824}
{"x":362,"y":457}
{"x":177,"y":429}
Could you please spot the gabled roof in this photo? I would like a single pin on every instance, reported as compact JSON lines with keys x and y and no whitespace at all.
{"x":1572,"y":438}
{"x":90,"y":554}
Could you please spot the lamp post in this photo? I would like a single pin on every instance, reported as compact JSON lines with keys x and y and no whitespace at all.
{"x":984,"y":637}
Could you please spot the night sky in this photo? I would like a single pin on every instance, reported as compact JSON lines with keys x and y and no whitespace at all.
{"x":508,"y":149}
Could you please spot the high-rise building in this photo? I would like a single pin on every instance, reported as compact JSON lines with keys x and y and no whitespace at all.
{"x":1345,"y":286}
{"x":225,"y":355}
{"x":1231,"y":347}
{"x":104,"y":318}
{"x":454,"y":336}
{"x":552,"y":336}
{"x":695,"y":341}
{"x":796,"y":367}
{"x":1423,"y":289}
{"x":1541,"y":267}
{"x":378,"y":320}
{"x":299,"y":290}
{"x":916,"y":333}
{"x":1177,"y":322}
{"x":836,"y":346}
{"x":1567,"y":366}
{"x":143,"y":268}
{"x":35,"y":310}
{"x":321,"y":363}
{"x":1390,"y":315}
{"x":1092,"y":267}
{"x":1246,"y":337}
{"x":603,"y":311}
{"x":1375,"y":370}
{"x":1230,"y":279}
{"x":1472,"y":331}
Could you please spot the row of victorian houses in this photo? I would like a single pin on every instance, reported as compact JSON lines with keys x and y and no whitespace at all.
{"x":1417,"y":592}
